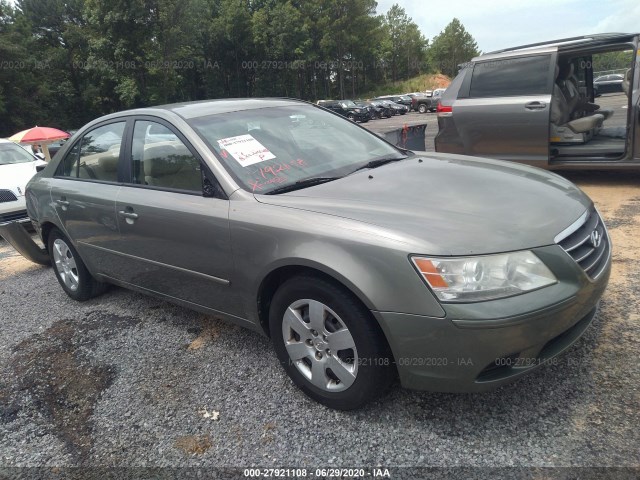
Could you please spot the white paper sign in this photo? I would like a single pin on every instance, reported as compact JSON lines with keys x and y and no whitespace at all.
{"x":245,"y":149}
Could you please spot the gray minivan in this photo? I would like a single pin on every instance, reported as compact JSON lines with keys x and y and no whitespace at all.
{"x":536,"y":104}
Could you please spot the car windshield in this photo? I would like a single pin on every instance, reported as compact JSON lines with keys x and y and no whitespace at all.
{"x":269,"y":148}
{"x":348,"y":103}
{"x":11,"y":153}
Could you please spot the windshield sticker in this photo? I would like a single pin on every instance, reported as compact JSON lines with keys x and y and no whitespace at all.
{"x":245,"y":149}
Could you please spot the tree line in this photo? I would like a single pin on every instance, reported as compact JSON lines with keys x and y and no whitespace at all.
{"x":65,"y":62}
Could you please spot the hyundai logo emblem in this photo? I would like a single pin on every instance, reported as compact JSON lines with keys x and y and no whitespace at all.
{"x":596,"y":238}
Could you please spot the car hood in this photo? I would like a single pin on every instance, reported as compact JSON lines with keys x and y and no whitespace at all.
{"x":451,"y":204}
{"x":16,"y":176}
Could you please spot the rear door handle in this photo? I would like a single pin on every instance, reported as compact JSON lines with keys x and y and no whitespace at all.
{"x":535,"y":105}
{"x":63,"y":203}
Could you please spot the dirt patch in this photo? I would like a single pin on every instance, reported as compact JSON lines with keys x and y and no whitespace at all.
{"x":437,"y":80}
{"x":52,"y":375}
{"x":193,"y":445}
{"x":209,"y":333}
{"x":12,"y":263}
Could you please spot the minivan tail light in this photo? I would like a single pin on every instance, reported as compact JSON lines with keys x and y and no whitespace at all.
{"x":444,"y":110}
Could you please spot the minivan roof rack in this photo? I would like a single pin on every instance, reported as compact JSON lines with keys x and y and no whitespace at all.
{"x":596,"y":36}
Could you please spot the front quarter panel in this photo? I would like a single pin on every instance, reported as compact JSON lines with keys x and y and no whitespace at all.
{"x":370,"y":261}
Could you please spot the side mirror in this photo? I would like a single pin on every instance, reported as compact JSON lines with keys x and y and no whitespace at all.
{"x":40,"y":156}
{"x":211,"y":188}
{"x":41,"y":167}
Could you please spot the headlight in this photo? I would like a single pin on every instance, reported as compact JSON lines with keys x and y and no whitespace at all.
{"x":487,"y":277}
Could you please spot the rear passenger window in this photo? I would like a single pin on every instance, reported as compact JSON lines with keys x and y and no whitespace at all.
{"x":95,"y":156}
{"x":160,"y":159}
{"x":511,"y":76}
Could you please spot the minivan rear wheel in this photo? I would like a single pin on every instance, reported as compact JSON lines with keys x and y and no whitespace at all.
{"x":328,"y":343}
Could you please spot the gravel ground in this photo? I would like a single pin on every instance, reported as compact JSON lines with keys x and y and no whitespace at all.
{"x":127,"y":380}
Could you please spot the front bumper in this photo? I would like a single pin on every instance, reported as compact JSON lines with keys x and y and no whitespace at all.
{"x":478,"y":347}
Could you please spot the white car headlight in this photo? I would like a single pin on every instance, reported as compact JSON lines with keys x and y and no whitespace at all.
{"x":486,"y":277}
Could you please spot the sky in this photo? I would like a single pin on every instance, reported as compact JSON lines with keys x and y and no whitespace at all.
{"x":496,"y":24}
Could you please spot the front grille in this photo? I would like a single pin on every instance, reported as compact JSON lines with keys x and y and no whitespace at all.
{"x":11,"y":216}
{"x":583,"y":246}
{"x":7,"y":196}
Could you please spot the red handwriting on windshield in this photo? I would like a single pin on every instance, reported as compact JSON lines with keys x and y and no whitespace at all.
{"x":258,"y":185}
{"x":278,"y":168}
{"x":272,"y":174}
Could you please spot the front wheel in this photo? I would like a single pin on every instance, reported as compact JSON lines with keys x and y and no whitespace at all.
{"x":329,"y":344}
{"x":351,"y":117}
{"x":70,"y":270}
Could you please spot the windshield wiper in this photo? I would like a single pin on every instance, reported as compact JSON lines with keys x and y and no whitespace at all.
{"x":378,"y":162}
{"x":306,"y":182}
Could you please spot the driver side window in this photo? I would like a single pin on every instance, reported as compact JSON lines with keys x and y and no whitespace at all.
{"x":161,"y":159}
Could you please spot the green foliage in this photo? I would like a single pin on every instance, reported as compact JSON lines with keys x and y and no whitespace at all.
{"x":453,"y":46}
{"x":66,"y":62}
{"x":618,"y":61}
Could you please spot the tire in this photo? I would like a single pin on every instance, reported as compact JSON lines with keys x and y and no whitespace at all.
{"x":422,"y":108}
{"x":70,"y":270}
{"x":342,"y":379}
{"x":351,"y":117}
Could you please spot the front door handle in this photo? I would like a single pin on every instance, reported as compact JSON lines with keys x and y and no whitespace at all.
{"x":131,"y":215}
{"x":535,"y":105}
{"x":63,"y":203}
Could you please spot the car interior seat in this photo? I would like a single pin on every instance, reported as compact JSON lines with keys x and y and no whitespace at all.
{"x":626,"y":83}
{"x":171,"y":167}
{"x":579,"y":103}
{"x":564,"y":129}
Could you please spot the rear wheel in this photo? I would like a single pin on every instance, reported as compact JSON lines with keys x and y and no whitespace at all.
{"x":422,"y":108}
{"x":70,"y":270}
{"x":328,"y":343}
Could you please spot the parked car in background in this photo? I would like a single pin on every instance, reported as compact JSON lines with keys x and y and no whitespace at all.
{"x":608,"y":84}
{"x":535,"y":104}
{"x":436,"y":94}
{"x":382,"y":110}
{"x":346,"y":251}
{"x":17,"y":166}
{"x":399,"y":99}
{"x":375,"y":112}
{"x":396,"y":108}
{"x":422,"y":103}
{"x":346,"y":108}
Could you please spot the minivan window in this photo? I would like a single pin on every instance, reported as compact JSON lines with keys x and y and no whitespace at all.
{"x":511,"y":76}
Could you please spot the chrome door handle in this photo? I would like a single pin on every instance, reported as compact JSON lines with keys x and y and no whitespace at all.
{"x":63,"y":203}
{"x":131,"y":215}
{"x":535,"y":105}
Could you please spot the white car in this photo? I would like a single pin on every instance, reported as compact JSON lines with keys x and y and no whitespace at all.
{"x":17,"y":166}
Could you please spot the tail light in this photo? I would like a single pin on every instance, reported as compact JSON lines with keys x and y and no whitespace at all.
{"x":444,"y":110}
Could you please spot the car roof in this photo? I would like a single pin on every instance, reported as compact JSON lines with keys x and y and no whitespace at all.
{"x":561,"y":44}
{"x":204,"y":108}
